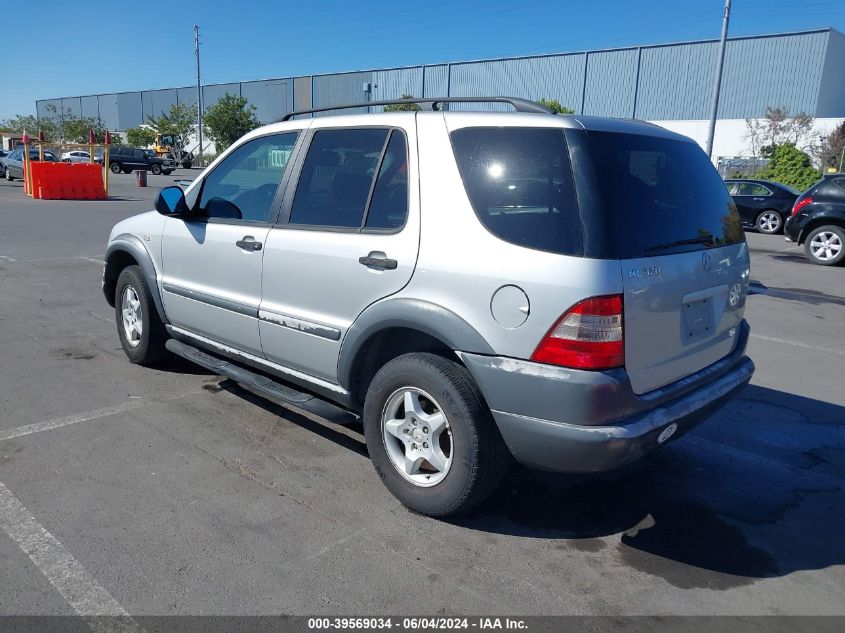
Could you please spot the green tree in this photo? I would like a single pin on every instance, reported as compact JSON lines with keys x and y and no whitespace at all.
{"x":403,"y":107}
{"x":140,"y":136}
{"x":180,"y":120}
{"x":778,"y":127}
{"x":228,"y":120}
{"x":31,"y":124}
{"x":554,"y":106}
{"x":790,"y":166}
{"x":832,"y":149}
{"x":75,"y":129}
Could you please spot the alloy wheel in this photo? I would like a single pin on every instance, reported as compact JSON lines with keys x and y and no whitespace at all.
{"x":417,"y":436}
{"x":825,"y":245}
{"x":769,"y":222}
{"x":133,"y":321}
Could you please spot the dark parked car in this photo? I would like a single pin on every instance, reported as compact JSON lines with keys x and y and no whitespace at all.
{"x":762,"y":204}
{"x":127,"y":159}
{"x":818,"y":221}
{"x":12,"y":165}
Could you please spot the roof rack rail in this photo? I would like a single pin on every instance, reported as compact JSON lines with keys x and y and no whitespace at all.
{"x":520,"y":105}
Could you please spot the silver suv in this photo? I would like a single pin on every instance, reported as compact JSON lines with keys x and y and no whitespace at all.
{"x":567,"y":291}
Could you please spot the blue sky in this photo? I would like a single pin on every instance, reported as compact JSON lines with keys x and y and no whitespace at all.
{"x":59,"y":52}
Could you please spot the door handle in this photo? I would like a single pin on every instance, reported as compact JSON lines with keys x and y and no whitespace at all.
{"x":378,"y":262}
{"x":248,"y":243}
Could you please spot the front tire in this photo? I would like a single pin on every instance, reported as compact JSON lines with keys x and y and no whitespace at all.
{"x":9,"y":175}
{"x":142,"y":334}
{"x":825,"y":246}
{"x":156,"y":169}
{"x":115,"y":168}
{"x":769,"y":222}
{"x":431,"y":436}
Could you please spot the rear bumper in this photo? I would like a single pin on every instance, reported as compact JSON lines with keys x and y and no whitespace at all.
{"x":792,"y":229}
{"x":573,"y":421}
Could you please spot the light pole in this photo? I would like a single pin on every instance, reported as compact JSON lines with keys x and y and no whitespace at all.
{"x":717,"y":85}
{"x":199,"y":90}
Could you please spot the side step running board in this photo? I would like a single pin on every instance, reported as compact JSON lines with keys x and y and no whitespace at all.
{"x":258,"y":383}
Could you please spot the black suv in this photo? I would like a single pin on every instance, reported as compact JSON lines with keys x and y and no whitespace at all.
{"x":127,"y":159}
{"x":762,"y":204}
{"x":818,"y":221}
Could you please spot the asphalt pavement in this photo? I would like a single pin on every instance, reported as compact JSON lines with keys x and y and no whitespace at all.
{"x":173,"y":491}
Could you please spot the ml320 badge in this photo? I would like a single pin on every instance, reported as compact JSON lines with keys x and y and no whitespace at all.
{"x":647,"y":271}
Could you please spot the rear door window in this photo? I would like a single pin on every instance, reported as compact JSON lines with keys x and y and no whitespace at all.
{"x":337,"y":177}
{"x":519,"y":182}
{"x":658,"y":195}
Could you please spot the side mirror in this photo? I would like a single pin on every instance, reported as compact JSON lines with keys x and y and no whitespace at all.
{"x":171,"y":201}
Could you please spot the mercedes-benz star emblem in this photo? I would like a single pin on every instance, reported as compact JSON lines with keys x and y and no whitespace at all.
{"x":705,"y":262}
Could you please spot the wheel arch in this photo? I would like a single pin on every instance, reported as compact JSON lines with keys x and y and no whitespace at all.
{"x":128,"y":250}
{"x":394,"y":327}
{"x":815,"y":223}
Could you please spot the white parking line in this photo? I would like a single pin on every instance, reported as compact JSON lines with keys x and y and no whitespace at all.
{"x":84,"y":417}
{"x":79,"y":588}
{"x":783,"y":341}
{"x":32,"y":260}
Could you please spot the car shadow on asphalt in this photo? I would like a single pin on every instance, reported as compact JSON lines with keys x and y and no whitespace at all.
{"x":174,"y":364}
{"x":755,"y":492}
{"x":343,"y":429}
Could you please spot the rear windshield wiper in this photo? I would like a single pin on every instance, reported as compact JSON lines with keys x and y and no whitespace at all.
{"x":707,"y":240}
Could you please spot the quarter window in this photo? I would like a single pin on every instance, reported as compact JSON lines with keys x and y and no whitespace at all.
{"x":519,"y":182}
{"x":389,"y":204}
{"x":244,"y":184}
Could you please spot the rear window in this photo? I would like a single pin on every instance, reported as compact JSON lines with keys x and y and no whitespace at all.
{"x":519,"y":182}
{"x":658,"y":195}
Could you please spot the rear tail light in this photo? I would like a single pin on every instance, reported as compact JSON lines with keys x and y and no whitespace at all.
{"x":587,"y":336}
{"x":801,"y":204}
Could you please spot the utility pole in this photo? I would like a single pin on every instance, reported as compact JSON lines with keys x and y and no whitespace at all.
{"x":717,"y":85}
{"x":199,"y":89}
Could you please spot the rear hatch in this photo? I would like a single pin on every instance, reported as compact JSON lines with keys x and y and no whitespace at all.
{"x":654,"y":201}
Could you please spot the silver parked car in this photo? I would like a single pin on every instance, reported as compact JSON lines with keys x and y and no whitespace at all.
{"x":76,"y":156}
{"x":567,"y":291}
{"x":11,"y":166}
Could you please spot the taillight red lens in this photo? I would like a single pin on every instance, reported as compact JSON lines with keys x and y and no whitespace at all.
{"x":587,"y":336}
{"x":801,"y":204}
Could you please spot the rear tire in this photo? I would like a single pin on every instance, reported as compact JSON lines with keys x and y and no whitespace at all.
{"x":769,"y":222}
{"x":825,"y":246}
{"x":115,"y":168}
{"x":465,"y":443}
{"x":142,"y":334}
{"x":156,"y":169}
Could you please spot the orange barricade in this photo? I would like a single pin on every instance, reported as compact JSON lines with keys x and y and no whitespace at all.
{"x":67,"y":181}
